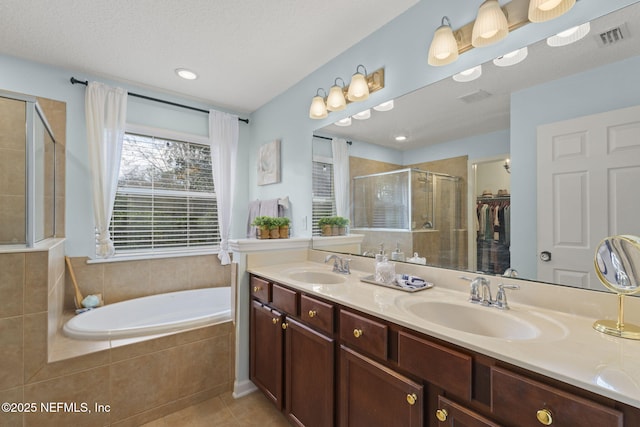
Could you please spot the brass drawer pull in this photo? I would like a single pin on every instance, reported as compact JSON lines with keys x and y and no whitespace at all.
{"x":274,"y":320}
{"x":442,"y":414}
{"x":285,"y":325}
{"x":412,"y":399}
{"x":545,"y":417}
{"x":357,"y":333}
{"x":256,"y":289}
{"x":312,"y":313}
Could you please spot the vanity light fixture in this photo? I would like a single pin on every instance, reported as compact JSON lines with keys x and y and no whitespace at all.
{"x":444,"y":47}
{"x":358,"y":88}
{"x":544,"y":10}
{"x":318,"y":109}
{"x":490,"y":26}
{"x":363,"y":115}
{"x":385,"y":106}
{"x":512,"y":58}
{"x":186,"y":74}
{"x":569,"y":36}
{"x":336,"y":100}
{"x":468,"y":75}
{"x":343,"y":122}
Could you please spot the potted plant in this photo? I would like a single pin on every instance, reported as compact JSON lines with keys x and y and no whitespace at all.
{"x":273,"y":224}
{"x":261,"y":223}
{"x":326,"y":223}
{"x":342,"y":223}
{"x":283,"y":224}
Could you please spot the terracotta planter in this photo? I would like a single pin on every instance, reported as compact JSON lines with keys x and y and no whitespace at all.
{"x":284,"y":231}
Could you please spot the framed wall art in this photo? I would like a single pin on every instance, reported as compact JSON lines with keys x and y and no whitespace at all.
{"x":269,"y":163}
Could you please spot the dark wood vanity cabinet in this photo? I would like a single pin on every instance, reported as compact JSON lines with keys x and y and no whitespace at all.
{"x":372,"y":394}
{"x":266,"y":358}
{"x":309,"y":376}
{"x":290,"y":362}
{"x":324,"y":364}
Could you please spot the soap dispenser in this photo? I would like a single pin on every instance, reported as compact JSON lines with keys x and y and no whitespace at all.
{"x":385,"y":271}
{"x":396,"y":255}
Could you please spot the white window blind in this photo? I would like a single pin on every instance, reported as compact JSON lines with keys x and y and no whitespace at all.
{"x":165,"y":197}
{"x":323,"y":203}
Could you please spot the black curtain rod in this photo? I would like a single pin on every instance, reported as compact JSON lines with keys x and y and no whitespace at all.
{"x":74,"y":81}
{"x":329,"y":139}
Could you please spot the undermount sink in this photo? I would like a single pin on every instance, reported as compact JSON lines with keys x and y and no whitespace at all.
{"x":316,"y":277}
{"x":485,"y":321}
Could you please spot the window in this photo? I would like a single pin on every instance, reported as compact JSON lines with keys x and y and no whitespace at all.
{"x":323,"y":203}
{"x":165,"y":197}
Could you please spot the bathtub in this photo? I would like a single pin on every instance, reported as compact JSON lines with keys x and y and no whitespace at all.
{"x":155,"y":314}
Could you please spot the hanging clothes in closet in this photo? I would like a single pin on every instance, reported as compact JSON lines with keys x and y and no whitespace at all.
{"x":493,"y":234}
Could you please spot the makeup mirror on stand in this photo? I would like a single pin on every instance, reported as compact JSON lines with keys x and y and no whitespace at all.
{"x":617,"y":264}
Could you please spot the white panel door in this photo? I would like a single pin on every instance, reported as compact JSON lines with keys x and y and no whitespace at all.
{"x":588,"y":188}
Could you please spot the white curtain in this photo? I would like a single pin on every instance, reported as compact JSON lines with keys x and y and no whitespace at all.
{"x":106,"y":112}
{"x":223,"y":137}
{"x":340,"y":151}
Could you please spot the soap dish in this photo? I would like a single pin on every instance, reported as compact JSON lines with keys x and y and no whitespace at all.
{"x":396,"y":284}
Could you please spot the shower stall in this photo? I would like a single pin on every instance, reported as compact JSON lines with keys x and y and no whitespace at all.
{"x":27,"y":172}
{"x":413,"y":210}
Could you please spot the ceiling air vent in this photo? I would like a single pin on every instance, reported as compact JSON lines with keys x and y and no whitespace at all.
{"x":613,"y":35}
{"x":475,"y":96}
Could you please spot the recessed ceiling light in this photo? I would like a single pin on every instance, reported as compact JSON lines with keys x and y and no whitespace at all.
{"x":363,"y":115}
{"x":343,"y":122}
{"x":401,"y":138}
{"x":186,"y":74}
{"x":468,"y":75}
{"x":569,"y":36}
{"x":385,"y":106}
{"x":511,"y":58}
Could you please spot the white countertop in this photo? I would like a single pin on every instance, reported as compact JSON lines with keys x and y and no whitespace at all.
{"x":568,"y":348}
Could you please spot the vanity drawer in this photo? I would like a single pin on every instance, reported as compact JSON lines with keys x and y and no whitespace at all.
{"x":436,"y":364}
{"x":260,"y":289}
{"x":284,"y":299}
{"x":364,"y":334}
{"x":514,"y":394}
{"x":317,"y":313}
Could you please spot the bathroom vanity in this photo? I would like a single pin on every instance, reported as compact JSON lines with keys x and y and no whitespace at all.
{"x":328,"y":350}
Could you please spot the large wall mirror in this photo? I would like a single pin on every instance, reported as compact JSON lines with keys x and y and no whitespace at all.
{"x":503,"y":172}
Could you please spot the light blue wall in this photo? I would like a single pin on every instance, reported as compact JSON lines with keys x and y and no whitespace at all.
{"x":401,"y":48}
{"x":602,"y":89}
{"x":48,"y":82}
{"x":476,"y":147}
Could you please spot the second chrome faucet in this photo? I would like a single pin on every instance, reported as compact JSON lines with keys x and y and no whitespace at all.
{"x":480,"y":293}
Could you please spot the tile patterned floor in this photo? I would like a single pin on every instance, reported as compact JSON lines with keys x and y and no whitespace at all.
{"x":225,"y":411}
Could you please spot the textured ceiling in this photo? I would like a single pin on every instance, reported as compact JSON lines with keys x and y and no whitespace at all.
{"x":246,"y":51}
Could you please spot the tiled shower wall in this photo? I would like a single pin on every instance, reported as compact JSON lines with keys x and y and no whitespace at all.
{"x":139,"y":382}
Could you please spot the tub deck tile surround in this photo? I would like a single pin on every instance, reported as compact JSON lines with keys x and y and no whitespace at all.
{"x":181,"y":369}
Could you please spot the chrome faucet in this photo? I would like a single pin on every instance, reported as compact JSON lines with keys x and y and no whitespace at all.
{"x":480,"y":293}
{"x":340,"y":265}
{"x":501,"y":296}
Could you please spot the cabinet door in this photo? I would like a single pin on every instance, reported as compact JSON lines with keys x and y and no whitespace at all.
{"x":309,"y":374}
{"x":266,"y":351}
{"x":451,"y":414}
{"x":372,"y":395}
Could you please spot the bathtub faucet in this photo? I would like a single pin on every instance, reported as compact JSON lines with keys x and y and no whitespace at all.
{"x":340,"y":265}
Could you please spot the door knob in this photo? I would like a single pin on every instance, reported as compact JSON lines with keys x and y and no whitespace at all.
{"x":545,"y":256}
{"x":442,"y":414}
